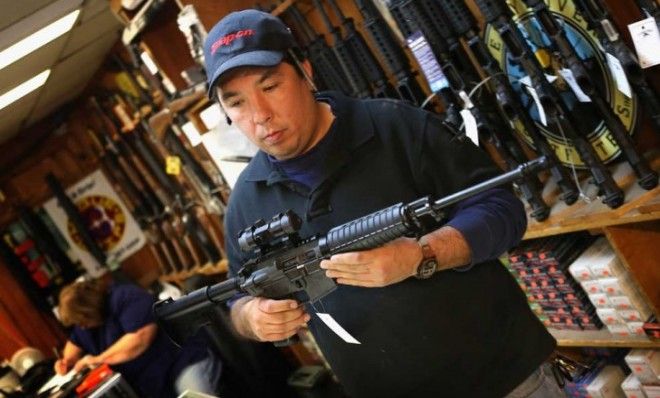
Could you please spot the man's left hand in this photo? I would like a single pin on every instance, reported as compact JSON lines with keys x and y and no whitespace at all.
{"x":88,"y":361}
{"x":378,"y":267}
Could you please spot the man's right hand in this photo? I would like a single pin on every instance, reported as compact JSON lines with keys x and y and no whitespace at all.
{"x":266,"y":319}
{"x":62,"y":367}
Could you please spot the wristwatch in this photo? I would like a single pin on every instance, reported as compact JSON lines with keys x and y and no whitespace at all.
{"x":429,"y":263}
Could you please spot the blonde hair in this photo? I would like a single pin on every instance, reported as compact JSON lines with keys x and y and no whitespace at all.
{"x":83,"y":303}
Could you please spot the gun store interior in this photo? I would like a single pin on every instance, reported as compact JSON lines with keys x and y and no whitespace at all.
{"x":180,"y":215}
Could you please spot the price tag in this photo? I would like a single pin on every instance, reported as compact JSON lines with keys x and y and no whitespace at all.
{"x":337,"y":328}
{"x":470,"y":124}
{"x":527,"y":82}
{"x":646,"y":39}
{"x":569,"y":78}
{"x":173,"y":165}
{"x":619,"y":75}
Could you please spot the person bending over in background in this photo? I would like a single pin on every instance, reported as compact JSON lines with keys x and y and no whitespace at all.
{"x":114,"y":324}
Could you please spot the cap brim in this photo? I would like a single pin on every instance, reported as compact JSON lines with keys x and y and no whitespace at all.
{"x":251,"y":58}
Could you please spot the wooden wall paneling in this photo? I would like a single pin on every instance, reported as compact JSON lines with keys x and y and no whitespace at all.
{"x":637,"y":246}
{"x":167,"y":44}
{"x":141,"y":267}
{"x":37,"y":328}
{"x":211,"y":11}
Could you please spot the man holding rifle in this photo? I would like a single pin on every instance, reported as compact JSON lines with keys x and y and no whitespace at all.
{"x":438,"y":316}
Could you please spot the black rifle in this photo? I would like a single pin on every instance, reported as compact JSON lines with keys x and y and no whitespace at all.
{"x":175,"y":193}
{"x":647,"y":178}
{"x":76,"y":219}
{"x":358,"y":82}
{"x":410,"y":20}
{"x":373,"y":71}
{"x":391,"y":53}
{"x":325,"y":62}
{"x":490,"y":125}
{"x":287,"y":266}
{"x":650,"y":8}
{"x":152,"y":196}
{"x":465,"y":25}
{"x":599,"y":20}
{"x":498,"y":14}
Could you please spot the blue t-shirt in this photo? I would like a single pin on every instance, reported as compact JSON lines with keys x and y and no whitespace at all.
{"x":152,"y":374}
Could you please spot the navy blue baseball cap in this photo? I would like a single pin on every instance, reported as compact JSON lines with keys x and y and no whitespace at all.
{"x":245,"y":38}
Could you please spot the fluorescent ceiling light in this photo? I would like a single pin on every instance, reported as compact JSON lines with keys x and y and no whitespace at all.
{"x":24,"y":89}
{"x":37,"y":39}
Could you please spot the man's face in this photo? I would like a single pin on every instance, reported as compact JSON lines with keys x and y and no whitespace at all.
{"x":273,"y":107}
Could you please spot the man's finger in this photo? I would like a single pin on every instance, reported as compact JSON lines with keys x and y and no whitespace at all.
{"x":274,"y":306}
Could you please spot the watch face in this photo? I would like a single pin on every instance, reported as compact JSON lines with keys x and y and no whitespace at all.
{"x":427,"y":268}
{"x":558,"y":74}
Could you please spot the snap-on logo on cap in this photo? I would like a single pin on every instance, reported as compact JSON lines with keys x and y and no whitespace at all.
{"x":226,"y":40}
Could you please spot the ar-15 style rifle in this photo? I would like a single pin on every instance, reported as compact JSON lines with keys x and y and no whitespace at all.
{"x":465,"y":25}
{"x":373,"y":71}
{"x":391,"y":53}
{"x":427,"y":17}
{"x":599,"y":20}
{"x":284,"y":265}
{"x":498,"y":14}
{"x":342,"y":48}
{"x":324,"y":60}
{"x":646,"y":178}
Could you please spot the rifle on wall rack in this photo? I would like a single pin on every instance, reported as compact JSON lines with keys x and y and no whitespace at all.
{"x":490,"y":124}
{"x":373,"y":71}
{"x":391,"y":53}
{"x":465,"y":25}
{"x":600,"y":21}
{"x":646,"y":178}
{"x":497,"y":14}
{"x":325,"y":62}
{"x":359,"y":85}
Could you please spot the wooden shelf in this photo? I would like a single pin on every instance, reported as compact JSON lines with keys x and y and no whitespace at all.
{"x":207,"y":269}
{"x":600,"y":338}
{"x":640,"y":205}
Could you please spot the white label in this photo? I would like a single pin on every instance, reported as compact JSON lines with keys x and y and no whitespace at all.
{"x":619,"y":75}
{"x":470,"y":124}
{"x":537,"y":100}
{"x":569,"y":78}
{"x":646,"y":39}
{"x":335,"y":327}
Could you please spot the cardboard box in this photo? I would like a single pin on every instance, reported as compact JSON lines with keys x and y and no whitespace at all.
{"x":609,"y":316}
{"x":632,"y":387}
{"x":651,"y":391}
{"x":645,"y":364}
{"x":607,"y":383}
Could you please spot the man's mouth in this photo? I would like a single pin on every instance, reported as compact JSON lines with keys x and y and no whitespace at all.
{"x":273,"y":136}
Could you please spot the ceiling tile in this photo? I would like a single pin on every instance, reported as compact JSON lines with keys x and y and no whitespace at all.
{"x":99,"y":25}
{"x":20,"y":28}
{"x":93,"y":7}
{"x":32,"y":64}
{"x":13,"y":11}
{"x":13,"y":115}
{"x":71,"y":75}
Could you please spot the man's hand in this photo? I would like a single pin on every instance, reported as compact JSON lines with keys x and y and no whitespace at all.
{"x":88,"y":361}
{"x":378,"y":267}
{"x":268,"y":320}
{"x":62,"y":366}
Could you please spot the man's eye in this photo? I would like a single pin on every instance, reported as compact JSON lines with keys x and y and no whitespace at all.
{"x":234,"y":104}
{"x":271,"y":87}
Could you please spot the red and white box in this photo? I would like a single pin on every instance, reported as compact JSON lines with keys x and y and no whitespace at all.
{"x":645,"y":364}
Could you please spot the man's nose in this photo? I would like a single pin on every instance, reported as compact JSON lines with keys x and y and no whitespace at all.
{"x":262,"y":112}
